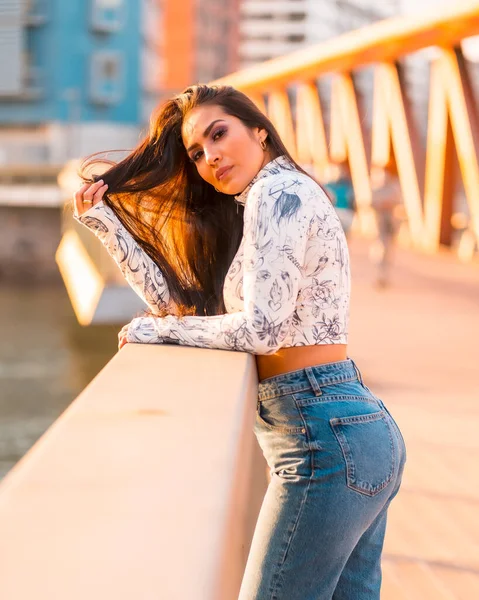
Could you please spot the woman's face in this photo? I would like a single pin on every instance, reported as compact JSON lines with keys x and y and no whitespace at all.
{"x":226,"y":153}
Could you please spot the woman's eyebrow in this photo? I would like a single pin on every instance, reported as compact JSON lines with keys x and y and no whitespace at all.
{"x":205,"y":133}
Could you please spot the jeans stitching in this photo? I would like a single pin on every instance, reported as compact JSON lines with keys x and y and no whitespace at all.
{"x":308,"y":437}
{"x":333,"y":398}
{"x":347,"y":453}
{"x":292,"y":389}
{"x":395,"y":426}
{"x":274,"y":587}
{"x":279,"y":428}
{"x":360,"y":418}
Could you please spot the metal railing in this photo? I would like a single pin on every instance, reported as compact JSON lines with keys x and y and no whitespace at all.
{"x":286,"y":89}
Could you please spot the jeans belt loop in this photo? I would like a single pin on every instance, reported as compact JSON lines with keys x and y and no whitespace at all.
{"x":312,"y":380}
{"x":358,"y":372}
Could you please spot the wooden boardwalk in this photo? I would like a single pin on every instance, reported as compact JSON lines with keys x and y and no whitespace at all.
{"x":416,"y":345}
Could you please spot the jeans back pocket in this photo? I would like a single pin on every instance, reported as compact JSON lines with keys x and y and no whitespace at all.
{"x":368,"y":448}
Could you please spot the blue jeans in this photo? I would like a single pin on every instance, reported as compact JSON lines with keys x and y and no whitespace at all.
{"x":336,"y":458}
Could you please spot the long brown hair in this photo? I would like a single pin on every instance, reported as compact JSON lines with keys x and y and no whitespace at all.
{"x":186,"y":227}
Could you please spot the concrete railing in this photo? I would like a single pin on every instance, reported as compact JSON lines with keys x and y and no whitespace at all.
{"x":148,"y":486}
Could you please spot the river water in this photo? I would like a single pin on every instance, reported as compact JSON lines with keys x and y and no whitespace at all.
{"x":46,"y":360}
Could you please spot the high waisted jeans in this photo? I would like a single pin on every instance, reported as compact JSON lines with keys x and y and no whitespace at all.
{"x":336,"y":458}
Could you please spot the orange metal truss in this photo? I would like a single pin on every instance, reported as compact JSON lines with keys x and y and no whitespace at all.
{"x":452,"y":116}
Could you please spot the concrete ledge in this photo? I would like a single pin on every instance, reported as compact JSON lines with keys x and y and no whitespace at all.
{"x":94,"y":297}
{"x":148,"y":486}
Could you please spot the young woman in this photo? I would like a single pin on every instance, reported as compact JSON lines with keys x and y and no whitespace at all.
{"x":233,"y":246}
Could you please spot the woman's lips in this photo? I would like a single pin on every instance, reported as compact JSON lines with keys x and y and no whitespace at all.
{"x":222,"y":173}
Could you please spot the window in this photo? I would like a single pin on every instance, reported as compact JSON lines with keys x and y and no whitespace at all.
{"x":261,"y":17}
{"x":12,"y":44}
{"x":32,"y":77}
{"x":35,"y":12}
{"x":107,"y":15}
{"x":295,"y":37}
{"x":106,"y":78}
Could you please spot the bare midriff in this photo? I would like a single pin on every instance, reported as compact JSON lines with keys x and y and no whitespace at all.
{"x":292,"y":359}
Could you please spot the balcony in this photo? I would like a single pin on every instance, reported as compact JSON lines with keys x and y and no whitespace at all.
{"x":257,"y":9}
{"x":277,"y":28}
{"x":259,"y":49}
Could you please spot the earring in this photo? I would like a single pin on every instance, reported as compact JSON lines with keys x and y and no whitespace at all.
{"x":262,"y":143}
{"x":217,"y":190}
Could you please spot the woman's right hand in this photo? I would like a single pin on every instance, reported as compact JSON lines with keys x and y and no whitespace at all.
{"x":88,"y":195}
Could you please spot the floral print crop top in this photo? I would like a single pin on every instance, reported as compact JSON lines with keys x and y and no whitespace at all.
{"x":288,"y":285}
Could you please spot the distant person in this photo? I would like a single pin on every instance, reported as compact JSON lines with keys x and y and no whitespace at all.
{"x":339,"y":185}
{"x":233,"y":246}
{"x":387,"y":203}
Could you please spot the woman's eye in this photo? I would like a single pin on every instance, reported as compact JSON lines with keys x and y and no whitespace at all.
{"x":215,"y":136}
{"x":218,"y":134}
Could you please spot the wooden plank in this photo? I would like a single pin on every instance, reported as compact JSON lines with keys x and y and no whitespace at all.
{"x":420,"y":582}
{"x":391,"y":586}
{"x":347,"y":143}
{"x":390,"y":122}
{"x":438,"y":159}
{"x":311,"y":142}
{"x":279,"y":111}
{"x":463,"y":585}
{"x":259,"y":101}
{"x":464,"y":127}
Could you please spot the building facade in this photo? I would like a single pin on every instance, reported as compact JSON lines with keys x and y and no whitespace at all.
{"x":70,"y":85}
{"x":85,"y":75}
{"x":271,"y":28}
{"x":200,"y":42}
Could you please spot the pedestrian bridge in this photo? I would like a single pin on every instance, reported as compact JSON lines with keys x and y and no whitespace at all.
{"x":347,"y":101}
{"x":149,"y":484}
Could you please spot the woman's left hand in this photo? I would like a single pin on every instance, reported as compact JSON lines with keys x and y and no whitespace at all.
{"x":122,"y":339}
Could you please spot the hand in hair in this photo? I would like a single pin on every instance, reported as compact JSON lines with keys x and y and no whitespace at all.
{"x":87,"y":196}
{"x":122,"y":336}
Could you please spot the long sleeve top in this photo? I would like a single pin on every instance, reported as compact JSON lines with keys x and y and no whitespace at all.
{"x":288,"y":285}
